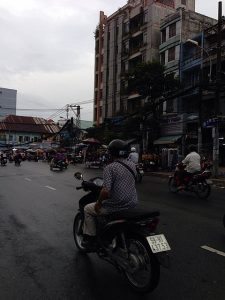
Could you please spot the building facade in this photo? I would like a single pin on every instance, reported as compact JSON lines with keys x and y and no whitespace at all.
{"x":8,"y":99}
{"x":129,"y":36}
{"x":16,"y":130}
{"x":179,"y":121}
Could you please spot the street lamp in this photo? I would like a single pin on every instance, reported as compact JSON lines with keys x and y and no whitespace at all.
{"x":207,"y":53}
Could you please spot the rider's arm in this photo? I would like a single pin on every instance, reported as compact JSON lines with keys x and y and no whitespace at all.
{"x":104,"y":194}
{"x":186,"y":160}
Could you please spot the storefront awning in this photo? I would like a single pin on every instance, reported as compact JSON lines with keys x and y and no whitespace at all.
{"x":167,"y":140}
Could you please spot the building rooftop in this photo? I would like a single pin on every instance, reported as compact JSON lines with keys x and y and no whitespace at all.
{"x":28,"y":124}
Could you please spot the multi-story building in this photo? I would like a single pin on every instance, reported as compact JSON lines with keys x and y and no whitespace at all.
{"x":179,"y":113}
{"x":129,"y":36}
{"x":175,"y":30}
{"x":7,"y":102}
{"x":199,"y":75}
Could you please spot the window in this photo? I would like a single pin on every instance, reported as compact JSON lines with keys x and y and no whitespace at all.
{"x":183,"y":2}
{"x":171,"y":54}
{"x":172,"y":30}
{"x":20,"y":139}
{"x":144,"y":38}
{"x":162,"y":58}
{"x":144,"y":57}
{"x":145,"y":18}
{"x":163,"y":35}
{"x":126,"y":27}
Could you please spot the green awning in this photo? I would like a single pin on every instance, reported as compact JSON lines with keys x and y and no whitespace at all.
{"x":164,"y":140}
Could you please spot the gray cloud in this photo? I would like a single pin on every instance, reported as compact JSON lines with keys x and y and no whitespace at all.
{"x":47,"y":48}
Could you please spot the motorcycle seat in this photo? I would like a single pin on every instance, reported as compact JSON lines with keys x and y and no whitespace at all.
{"x":134,"y":214}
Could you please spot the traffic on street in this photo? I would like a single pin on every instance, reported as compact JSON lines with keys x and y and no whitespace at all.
{"x":39,"y":259}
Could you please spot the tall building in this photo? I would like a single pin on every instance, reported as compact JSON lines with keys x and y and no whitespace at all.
{"x":129,"y":36}
{"x":7,"y":102}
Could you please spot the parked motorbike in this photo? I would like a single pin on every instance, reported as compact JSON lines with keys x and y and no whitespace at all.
{"x":58,"y":165}
{"x":3,"y":162}
{"x":140,"y":172}
{"x":127,"y":240}
{"x":198,"y":183}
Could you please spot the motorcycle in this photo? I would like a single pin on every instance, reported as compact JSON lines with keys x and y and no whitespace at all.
{"x":58,"y":165}
{"x":140,"y":172}
{"x":17,"y":162}
{"x":3,"y":162}
{"x":198,"y":183}
{"x":127,"y":239}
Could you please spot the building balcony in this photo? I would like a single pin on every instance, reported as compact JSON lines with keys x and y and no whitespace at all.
{"x":173,"y":41}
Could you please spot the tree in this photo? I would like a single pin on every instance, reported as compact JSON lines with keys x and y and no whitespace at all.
{"x":151,"y":82}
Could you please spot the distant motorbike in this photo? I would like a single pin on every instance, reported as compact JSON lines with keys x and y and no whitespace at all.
{"x":140,"y":172}
{"x":126,"y":239}
{"x":58,"y":165}
{"x":197,"y":183}
{"x":3,"y":162}
{"x":17,"y":162}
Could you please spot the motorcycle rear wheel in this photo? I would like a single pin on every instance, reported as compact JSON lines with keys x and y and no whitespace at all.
{"x":145,"y":275}
{"x":203,"y":190}
{"x":172,"y":185}
{"x":78,"y":233}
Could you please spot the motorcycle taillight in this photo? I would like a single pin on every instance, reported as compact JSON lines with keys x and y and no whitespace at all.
{"x":152,"y":225}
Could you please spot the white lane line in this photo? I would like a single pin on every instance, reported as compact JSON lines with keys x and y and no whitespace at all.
{"x":51,"y":188}
{"x":28,"y":179}
{"x":213,"y":250}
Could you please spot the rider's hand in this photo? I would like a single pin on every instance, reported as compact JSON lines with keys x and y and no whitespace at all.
{"x":98,"y":206}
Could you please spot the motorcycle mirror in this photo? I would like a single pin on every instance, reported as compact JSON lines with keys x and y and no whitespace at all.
{"x":78,"y":175}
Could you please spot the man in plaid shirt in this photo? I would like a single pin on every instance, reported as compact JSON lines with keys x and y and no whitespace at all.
{"x":118,"y":192}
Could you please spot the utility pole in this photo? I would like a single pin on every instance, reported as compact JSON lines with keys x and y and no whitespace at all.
{"x":215,"y":132}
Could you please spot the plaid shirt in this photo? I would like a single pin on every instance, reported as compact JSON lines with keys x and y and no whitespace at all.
{"x":120,"y":183}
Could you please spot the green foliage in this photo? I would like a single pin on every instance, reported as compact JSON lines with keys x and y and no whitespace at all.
{"x":149,"y":80}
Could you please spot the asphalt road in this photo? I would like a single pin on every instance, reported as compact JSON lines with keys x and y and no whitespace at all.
{"x":38,"y":258}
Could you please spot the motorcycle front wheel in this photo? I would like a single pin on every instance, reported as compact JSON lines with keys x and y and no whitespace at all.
{"x":139,"y":177}
{"x":144,"y":272}
{"x":78,"y":233}
{"x":203,"y":190}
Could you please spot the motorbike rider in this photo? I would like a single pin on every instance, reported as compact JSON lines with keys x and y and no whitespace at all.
{"x":17,"y":157}
{"x":3,"y":158}
{"x":118,"y":192}
{"x":134,"y":156}
{"x":193,"y":165}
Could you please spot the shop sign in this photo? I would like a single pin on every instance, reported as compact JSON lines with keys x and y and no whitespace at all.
{"x":172,"y":125}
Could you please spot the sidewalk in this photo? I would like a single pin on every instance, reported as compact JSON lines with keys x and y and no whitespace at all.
{"x":220,"y":181}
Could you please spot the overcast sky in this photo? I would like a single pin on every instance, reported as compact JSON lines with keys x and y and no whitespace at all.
{"x":47,"y":50}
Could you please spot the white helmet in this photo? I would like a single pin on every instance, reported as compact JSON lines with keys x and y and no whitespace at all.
{"x":133,"y":149}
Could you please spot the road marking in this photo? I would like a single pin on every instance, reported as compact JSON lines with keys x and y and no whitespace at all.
{"x":213,"y":250}
{"x":28,"y":179}
{"x":51,"y":188}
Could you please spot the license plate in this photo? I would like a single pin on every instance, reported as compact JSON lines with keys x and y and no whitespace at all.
{"x":158,"y":243}
{"x":141,"y":172}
